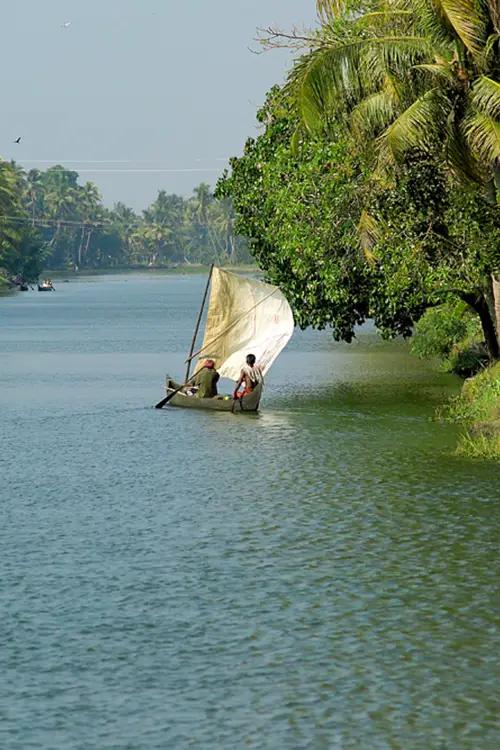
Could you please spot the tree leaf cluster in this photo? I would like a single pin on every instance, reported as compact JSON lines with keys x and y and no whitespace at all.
{"x":344,"y":246}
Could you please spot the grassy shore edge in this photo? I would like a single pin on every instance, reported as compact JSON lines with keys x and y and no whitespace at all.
{"x":477,"y":407}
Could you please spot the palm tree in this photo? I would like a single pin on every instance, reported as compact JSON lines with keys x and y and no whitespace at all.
{"x":408,"y":75}
{"x":88,"y":205}
{"x":203,"y":201}
{"x":124,"y":220}
{"x":412,"y":74}
{"x":34,"y":194}
{"x":204,"y":197}
{"x":10,"y":209}
{"x":223,"y":222}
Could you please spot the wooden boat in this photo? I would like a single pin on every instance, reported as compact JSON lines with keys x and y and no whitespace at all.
{"x":244,"y":316}
{"x":181,"y":397}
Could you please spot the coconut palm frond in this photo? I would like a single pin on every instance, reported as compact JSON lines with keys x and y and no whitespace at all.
{"x":460,"y":158}
{"x":338,"y":76}
{"x":486,"y":96}
{"x":369,"y":233}
{"x":490,"y":48}
{"x":483,"y":135}
{"x":330,"y":9}
{"x":494,"y":13}
{"x":395,"y":87}
{"x":327,"y":9}
{"x":296,"y":140}
{"x":373,"y":69}
{"x":400,"y":52}
{"x":419,"y":124}
{"x":383,"y":173}
{"x":374,"y":113}
{"x":380,"y":61}
{"x":394,"y":55}
{"x":316,"y":90}
{"x":329,"y":82}
{"x":468,"y":22}
{"x":390,"y":21}
{"x":439,"y":70}
{"x":433,"y":23}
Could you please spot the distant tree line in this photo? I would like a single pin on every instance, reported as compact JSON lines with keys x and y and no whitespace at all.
{"x":49,"y":220}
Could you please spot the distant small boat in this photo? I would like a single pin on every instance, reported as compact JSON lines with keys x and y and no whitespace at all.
{"x":19,"y":282}
{"x":46,"y":287}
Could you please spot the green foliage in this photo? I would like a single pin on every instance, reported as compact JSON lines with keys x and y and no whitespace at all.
{"x":412,"y":90}
{"x":452,"y":333}
{"x":467,"y":358}
{"x":72,"y":228}
{"x":32,"y":255}
{"x":482,"y":446}
{"x":478,"y":408}
{"x":480,"y":398}
{"x":436,"y":240}
{"x":344,"y":247}
{"x":299,"y":206}
{"x":421,"y":75}
{"x":442,"y":328}
{"x":21,"y":246}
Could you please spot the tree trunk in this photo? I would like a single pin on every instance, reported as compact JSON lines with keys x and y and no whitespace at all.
{"x":231,"y":241}
{"x":89,"y":237}
{"x":480,"y":305}
{"x":55,"y":235}
{"x":495,"y":283}
{"x":80,"y":247}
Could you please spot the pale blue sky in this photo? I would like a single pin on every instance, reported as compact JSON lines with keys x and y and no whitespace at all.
{"x":137,"y":84}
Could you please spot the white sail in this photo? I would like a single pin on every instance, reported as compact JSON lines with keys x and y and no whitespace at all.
{"x":244,"y":317}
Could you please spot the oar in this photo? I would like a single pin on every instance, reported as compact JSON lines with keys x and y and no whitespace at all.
{"x":165,"y":400}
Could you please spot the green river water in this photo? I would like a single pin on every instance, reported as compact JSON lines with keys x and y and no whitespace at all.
{"x":321,"y":575}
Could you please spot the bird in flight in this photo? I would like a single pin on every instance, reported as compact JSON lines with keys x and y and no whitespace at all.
{"x":66,"y":25}
{"x":18,"y":140}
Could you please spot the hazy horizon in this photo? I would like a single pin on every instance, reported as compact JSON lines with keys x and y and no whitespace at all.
{"x":138,"y":97}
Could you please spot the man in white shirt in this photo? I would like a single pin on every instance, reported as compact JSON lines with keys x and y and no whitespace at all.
{"x":250,"y":377}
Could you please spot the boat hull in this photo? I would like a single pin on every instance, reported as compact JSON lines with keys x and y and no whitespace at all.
{"x":248,"y":403}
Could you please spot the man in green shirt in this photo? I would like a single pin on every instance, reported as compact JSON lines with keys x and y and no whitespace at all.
{"x":206,"y":380}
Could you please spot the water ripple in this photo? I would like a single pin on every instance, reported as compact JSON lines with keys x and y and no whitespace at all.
{"x":321,"y":575}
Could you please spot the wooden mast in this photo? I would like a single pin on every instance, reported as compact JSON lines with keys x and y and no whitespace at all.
{"x":197,"y":326}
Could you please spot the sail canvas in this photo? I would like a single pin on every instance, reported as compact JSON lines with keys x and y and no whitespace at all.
{"x":244,"y":316}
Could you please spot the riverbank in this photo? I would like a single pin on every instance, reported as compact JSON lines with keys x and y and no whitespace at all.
{"x":5,"y":283}
{"x":183,"y":269}
{"x":478,"y":408}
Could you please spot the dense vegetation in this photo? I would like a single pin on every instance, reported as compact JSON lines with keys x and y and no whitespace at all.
{"x":49,"y":220}
{"x":373,"y":189}
{"x":477,"y":407}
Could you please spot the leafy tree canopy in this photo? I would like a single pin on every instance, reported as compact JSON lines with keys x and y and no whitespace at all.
{"x":343,"y":246}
